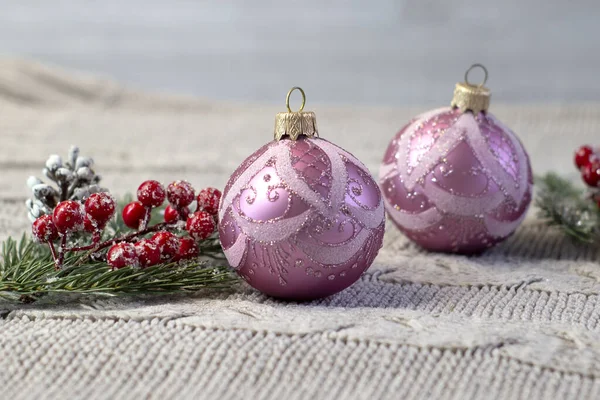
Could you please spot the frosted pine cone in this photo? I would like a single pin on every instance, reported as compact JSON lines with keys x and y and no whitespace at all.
{"x":73,"y":179}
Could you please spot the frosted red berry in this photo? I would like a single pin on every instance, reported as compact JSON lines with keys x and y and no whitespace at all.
{"x":188,"y":248}
{"x":44,"y":230}
{"x":122,"y":255}
{"x":208,"y":200}
{"x":172,"y":215}
{"x":180,"y":194}
{"x":167,"y":243}
{"x":591,"y":173}
{"x":583,"y":156}
{"x":151,"y":193}
{"x":68,"y":216}
{"x":99,"y":209}
{"x":92,"y":226}
{"x":133,"y":214}
{"x":148,"y":252}
{"x":200,"y":225}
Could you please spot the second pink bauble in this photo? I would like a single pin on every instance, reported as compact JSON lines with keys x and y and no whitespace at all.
{"x":455,"y":181}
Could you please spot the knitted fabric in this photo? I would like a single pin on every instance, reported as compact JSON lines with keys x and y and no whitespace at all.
{"x":518,"y":322}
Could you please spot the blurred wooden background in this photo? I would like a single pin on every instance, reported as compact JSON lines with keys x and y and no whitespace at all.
{"x":344,"y":52}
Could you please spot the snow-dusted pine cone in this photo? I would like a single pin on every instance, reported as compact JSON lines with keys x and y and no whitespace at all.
{"x":73,"y":179}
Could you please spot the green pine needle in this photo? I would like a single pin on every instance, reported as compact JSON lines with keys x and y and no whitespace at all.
{"x":27,"y":272}
{"x":570,"y":209}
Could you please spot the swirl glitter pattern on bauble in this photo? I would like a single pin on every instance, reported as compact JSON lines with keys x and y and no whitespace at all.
{"x":301,"y":219}
{"x":456,"y":182}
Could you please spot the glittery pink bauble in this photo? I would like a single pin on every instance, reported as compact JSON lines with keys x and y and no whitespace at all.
{"x":456,"y":182}
{"x":301,"y":219}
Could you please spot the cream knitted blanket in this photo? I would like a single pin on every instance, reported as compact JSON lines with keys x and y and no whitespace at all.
{"x":519,"y":322}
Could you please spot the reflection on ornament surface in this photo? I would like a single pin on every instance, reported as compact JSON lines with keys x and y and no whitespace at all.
{"x":456,"y":182}
{"x":301,"y":219}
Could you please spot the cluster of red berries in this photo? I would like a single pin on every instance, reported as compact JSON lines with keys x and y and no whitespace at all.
{"x":71,"y":216}
{"x":180,"y":194}
{"x":164,"y":246}
{"x":587,"y":160}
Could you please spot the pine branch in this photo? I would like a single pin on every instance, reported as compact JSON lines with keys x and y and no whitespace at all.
{"x":570,"y":209}
{"x":74,"y":256}
{"x":27,"y":272}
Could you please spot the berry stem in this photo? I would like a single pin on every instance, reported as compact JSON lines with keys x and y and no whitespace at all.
{"x":146,"y":219}
{"x":182,"y":213}
{"x":96,"y":237}
{"x":61,"y":252}
{"x":99,"y":246}
{"x":53,"y":252}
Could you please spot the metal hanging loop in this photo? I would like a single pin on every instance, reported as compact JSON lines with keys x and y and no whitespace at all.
{"x":485,"y":77}
{"x":287,"y":99}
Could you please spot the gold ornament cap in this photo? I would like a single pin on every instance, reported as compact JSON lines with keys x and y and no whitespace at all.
{"x":469,"y":97}
{"x":293,"y":124}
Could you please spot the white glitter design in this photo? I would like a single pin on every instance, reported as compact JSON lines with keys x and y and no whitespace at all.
{"x":465,"y":129}
{"x":266,"y":232}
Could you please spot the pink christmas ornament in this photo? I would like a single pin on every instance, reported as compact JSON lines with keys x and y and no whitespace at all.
{"x":456,"y":179}
{"x":301,"y":218}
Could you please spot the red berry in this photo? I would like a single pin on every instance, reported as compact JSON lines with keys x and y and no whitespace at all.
{"x":68,"y":216}
{"x":148,"y":252}
{"x":121,"y":255}
{"x":583,"y":155}
{"x":208,"y":200}
{"x":151,"y":194}
{"x":200,"y":225}
{"x":133,"y":214}
{"x":591,"y":173}
{"x":92,"y":226}
{"x":172,"y":215}
{"x":188,"y":248}
{"x":180,"y":193}
{"x":167,"y":243}
{"x":44,"y":229}
{"x":100,"y":208}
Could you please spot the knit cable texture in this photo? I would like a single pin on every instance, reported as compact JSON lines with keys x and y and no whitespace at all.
{"x":518,"y":322}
